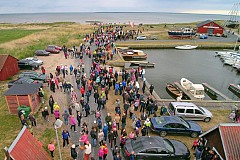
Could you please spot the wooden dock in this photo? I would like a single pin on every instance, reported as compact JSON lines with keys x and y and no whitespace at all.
{"x":187,"y":93}
{"x":215,"y":91}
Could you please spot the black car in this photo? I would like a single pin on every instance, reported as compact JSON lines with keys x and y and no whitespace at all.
{"x":155,"y":148}
{"x":33,"y":75}
{"x":23,"y":81}
{"x":28,"y":64}
{"x":42,"y":53}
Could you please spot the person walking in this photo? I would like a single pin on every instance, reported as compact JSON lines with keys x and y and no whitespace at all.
{"x":51,"y":148}
{"x":73,"y":123}
{"x":56,"y":114}
{"x":65,"y":117}
{"x":79,"y":117}
{"x":87,"y":148}
{"x":65,"y":137}
{"x":73,"y":151}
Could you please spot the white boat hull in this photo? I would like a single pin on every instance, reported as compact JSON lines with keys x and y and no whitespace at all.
{"x":186,"y":47}
{"x":194,"y":89}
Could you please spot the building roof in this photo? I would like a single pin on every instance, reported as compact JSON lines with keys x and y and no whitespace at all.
{"x":26,"y":147}
{"x":203,"y":23}
{"x":230,"y":137}
{"x":3,"y":59}
{"x":23,"y":89}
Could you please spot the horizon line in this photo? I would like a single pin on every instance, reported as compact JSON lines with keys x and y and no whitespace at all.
{"x":113,"y":12}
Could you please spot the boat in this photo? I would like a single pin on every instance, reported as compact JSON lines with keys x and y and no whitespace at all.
{"x":133,"y":54}
{"x":197,"y":90}
{"x":173,"y":90}
{"x":182,"y":33}
{"x":235,"y":89}
{"x":186,"y":47}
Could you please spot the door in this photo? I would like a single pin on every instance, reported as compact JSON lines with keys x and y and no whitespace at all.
{"x":148,"y":154}
{"x":189,"y":114}
{"x":210,"y":31}
{"x":199,"y":115}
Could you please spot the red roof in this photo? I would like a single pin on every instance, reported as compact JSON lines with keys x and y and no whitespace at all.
{"x":26,"y":147}
{"x":3,"y":59}
{"x":231,"y":140}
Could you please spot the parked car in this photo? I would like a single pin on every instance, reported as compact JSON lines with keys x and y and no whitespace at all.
{"x":141,"y":38}
{"x":23,"y":80}
{"x":218,"y":35}
{"x":52,"y":49}
{"x":155,"y":148}
{"x":42,"y":53}
{"x":174,"y":125}
{"x":33,"y":75}
{"x":27,"y":64}
{"x":203,"y":36}
{"x":35,"y":59}
{"x":189,"y":111}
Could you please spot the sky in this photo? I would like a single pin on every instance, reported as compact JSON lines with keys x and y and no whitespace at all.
{"x":175,"y":6}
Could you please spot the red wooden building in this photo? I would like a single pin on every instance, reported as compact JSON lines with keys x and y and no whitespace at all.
{"x":8,"y":66}
{"x":209,"y":27}
{"x":22,"y":94}
{"x":26,"y":147}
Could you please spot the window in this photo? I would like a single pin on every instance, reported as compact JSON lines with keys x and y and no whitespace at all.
{"x":198,"y":111}
{"x":180,"y":110}
{"x":152,"y":151}
{"x":189,"y":111}
{"x":162,"y":151}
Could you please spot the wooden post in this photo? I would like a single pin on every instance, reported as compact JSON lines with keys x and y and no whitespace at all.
{"x":30,"y":103}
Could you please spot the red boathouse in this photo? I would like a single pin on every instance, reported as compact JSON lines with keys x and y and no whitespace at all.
{"x":210,"y":27}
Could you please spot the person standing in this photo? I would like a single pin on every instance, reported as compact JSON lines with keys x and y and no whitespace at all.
{"x":101,"y":153}
{"x":65,"y":117}
{"x":151,"y":88}
{"x":79,"y":117}
{"x":65,"y":136}
{"x":51,"y":148}
{"x":73,"y":151}
{"x":32,"y":119}
{"x":147,"y":123}
{"x":56,"y":114}
{"x":51,"y":103}
{"x":87,"y":148}
{"x":117,"y":157}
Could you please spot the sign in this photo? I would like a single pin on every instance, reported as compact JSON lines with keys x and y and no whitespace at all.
{"x":210,"y":27}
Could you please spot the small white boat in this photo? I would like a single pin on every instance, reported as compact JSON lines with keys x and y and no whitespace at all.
{"x":186,"y":47}
{"x":197,"y":90}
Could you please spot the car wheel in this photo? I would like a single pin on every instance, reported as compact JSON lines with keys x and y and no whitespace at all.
{"x":194,"y":134}
{"x":208,"y":119}
{"x":163,"y":133}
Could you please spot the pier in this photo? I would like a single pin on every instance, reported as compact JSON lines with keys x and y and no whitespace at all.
{"x":215,"y":92}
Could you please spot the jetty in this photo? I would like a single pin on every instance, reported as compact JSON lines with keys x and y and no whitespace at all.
{"x":215,"y":92}
{"x":187,"y":93}
{"x":143,"y":64}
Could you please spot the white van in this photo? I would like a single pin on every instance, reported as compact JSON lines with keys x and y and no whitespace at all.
{"x":189,"y":111}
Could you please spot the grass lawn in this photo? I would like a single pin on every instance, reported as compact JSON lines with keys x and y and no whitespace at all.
{"x":7,"y":35}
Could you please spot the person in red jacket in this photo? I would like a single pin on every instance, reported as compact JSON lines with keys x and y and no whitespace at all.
{"x":82,"y":90}
{"x":105,"y":149}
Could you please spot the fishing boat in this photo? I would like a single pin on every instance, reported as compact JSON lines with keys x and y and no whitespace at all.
{"x":173,"y":90}
{"x":133,"y":54}
{"x":235,"y":89}
{"x":197,"y":90}
{"x":186,"y":47}
{"x":182,"y":33}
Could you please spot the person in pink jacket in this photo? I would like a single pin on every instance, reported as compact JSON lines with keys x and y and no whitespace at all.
{"x":84,"y":138}
{"x":101,"y":153}
{"x":56,"y":114}
{"x":56,"y":82}
{"x":73,"y":123}
{"x":51,"y":148}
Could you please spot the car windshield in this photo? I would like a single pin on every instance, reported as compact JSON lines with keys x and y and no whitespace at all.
{"x":185,"y":123}
{"x":160,"y":120}
{"x":29,"y":81}
{"x":201,"y":109}
{"x":168,"y":145}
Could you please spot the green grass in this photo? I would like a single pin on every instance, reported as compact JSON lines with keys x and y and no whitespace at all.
{"x":7,"y":35}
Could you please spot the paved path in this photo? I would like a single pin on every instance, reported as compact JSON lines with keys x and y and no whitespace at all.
{"x":76,"y":135}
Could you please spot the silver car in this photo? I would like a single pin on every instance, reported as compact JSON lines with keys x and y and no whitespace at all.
{"x":189,"y":111}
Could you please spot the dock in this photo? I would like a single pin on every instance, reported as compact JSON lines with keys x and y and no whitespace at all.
{"x":215,"y":92}
{"x":187,"y":93}
{"x":234,"y":89}
{"x":143,"y":64}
